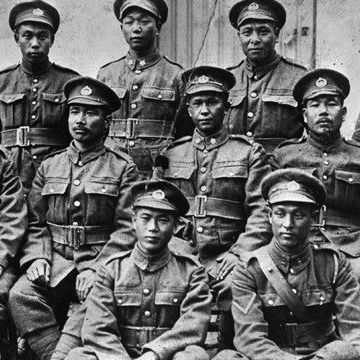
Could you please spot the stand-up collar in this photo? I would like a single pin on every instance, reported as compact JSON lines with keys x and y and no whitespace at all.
{"x":150,"y":263}
{"x":37,"y":69}
{"x":143,"y":63}
{"x":288,"y":262}
{"x":325,"y":143}
{"x":257,"y":72}
{"x":210,"y":142}
{"x":77,"y":157}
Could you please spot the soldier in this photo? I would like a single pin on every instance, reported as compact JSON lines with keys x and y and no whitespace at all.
{"x":147,"y":83}
{"x":329,"y":157}
{"x":79,"y":202}
{"x":32,"y":104}
{"x":150,"y":303}
{"x":261,"y":103}
{"x":220,"y":176}
{"x":286,"y":293}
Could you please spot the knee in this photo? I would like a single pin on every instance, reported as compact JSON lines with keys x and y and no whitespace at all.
{"x":192,"y":352}
{"x":74,"y":354}
{"x":338,"y":350}
{"x":229,"y":355}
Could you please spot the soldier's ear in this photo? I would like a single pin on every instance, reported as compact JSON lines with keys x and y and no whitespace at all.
{"x":133,"y":218}
{"x":270,"y":214}
{"x":314,"y":215}
{"x":107,"y":121}
{"x":16,"y":37}
{"x":52,"y":39}
{"x":304,"y":112}
{"x":344,"y":110}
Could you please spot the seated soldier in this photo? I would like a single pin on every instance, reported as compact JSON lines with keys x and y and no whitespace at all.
{"x":148,"y":303}
{"x":286,"y":294}
{"x":220,"y":176}
{"x":79,"y":213}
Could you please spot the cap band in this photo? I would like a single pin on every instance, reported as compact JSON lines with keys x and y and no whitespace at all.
{"x":155,"y":201}
{"x":203,"y":83}
{"x":34,"y":15}
{"x":291,"y":191}
{"x":255,"y":11}
{"x":143,"y":4}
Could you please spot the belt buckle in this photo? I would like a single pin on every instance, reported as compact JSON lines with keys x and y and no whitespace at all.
{"x":77,"y":236}
{"x":22,"y":136}
{"x":200,"y":201}
{"x":130,"y":128}
{"x":321,"y":218}
{"x":292,"y":334}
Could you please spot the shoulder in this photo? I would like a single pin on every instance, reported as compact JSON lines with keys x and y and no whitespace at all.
{"x":9,"y":68}
{"x":173,"y":62}
{"x":112,"y":62}
{"x":294,"y":63}
{"x":295,"y":141}
{"x":191,"y":259}
{"x":54,"y":154}
{"x":324,"y":247}
{"x":352,"y":142}
{"x":120,"y":154}
{"x":65,"y":69}
{"x":118,"y":256}
{"x":233,"y":67}
{"x":242,"y":139}
{"x":183,"y":140}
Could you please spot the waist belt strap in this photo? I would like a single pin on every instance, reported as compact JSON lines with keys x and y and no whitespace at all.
{"x":270,"y":144}
{"x":78,"y":236}
{"x":137,"y":336}
{"x":202,"y":206}
{"x":26,"y":136}
{"x":332,"y":217}
{"x":141,"y":128}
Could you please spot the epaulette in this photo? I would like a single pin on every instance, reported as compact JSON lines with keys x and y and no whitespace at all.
{"x":292,"y":142}
{"x":352,"y":142}
{"x":173,"y":62}
{"x":247,"y":139}
{"x":118,"y":255}
{"x":234,"y":66}
{"x":113,"y":61}
{"x":192,"y":258}
{"x":296,"y":63}
{"x":54,"y":153}
{"x":120,"y":153}
{"x":9,"y":68}
{"x":247,"y":256}
{"x":63,"y":68}
{"x":320,"y":246}
{"x":182,"y":140}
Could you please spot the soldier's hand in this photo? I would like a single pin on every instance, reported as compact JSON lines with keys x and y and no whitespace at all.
{"x":227,"y":264}
{"x":39,"y":271}
{"x":84,"y":283}
{"x":149,"y":355}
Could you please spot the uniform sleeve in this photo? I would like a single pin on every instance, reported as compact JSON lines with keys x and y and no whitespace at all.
{"x":123,"y":237}
{"x":257,"y":230}
{"x":38,"y":244}
{"x":251,"y":329}
{"x":191,"y":327}
{"x":347,"y":304}
{"x":100,"y":333}
{"x":13,"y":212}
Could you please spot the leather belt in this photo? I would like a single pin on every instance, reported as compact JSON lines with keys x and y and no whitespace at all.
{"x":137,"y":336}
{"x":202,"y":206}
{"x":26,"y":136}
{"x":270,"y":144}
{"x":141,"y":128}
{"x":77,"y":236}
{"x":294,"y":334}
{"x":334,"y":217}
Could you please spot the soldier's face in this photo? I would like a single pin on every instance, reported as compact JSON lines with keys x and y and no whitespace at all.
{"x":207,"y":111}
{"x":258,"y":39}
{"x":154,"y":229}
{"x":291,"y":224}
{"x":324,"y":115}
{"x":35,"y":41}
{"x":87,"y":124}
{"x":139,"y":29}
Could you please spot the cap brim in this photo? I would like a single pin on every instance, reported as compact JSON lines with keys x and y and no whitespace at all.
{"x":256,"y":17}
{"x":203,"y":88}
{"x":317,"y":93}
{"x":34,"y":19}
{"x":156,"y":204}
{"x":85,"y":101}
{"x":290,"y":197}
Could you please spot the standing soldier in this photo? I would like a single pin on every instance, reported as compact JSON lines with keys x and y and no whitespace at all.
{"x":287,"y":294}
{"x":332,"y":159}
{"x":220,"y":176}
{"x":32,"y":104}
{"x":261,"y":103}
{"x":79,"y":202}
{"x":147,"y":83}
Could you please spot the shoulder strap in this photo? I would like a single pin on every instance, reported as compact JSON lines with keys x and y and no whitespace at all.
{"x":281,"y":286}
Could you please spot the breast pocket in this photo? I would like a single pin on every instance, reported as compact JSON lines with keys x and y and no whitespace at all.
{"x":55,"y":195}
{"x":128,"y":306}
{"x":159,"y":102}
{"x":12,"y":110}
{"x":347,"y":189}
{"x":181,"y":176}
{"x":54,"y":109}
{"x":168,"y":303}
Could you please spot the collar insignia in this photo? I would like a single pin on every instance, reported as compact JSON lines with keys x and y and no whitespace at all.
{"x":321,"y":82}
{"x":142,"y":62}
{"x":86,"y":91}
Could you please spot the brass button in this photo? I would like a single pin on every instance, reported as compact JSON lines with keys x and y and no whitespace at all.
{"x":200,"y":229}
{"x":77,"y":182}
{"x":131,"y":143}
{"x":271,"y":302}
{"x":231,"y":173}
{"x":33,"y":116}
{"x":351,"y":180}
{"x":249,"y":133}
{"x":146,"y":291}
{"x":292,"y":271}
{"x":52,"y":190}
{"x":147,"y":313}
{"x":34,"y":157}
{"x":34,"y":89}
{"x":294,"y":291}
{"x":203,"y":188}
{"x":56,"y":100}
{"x":135,"y":87}
{"x":33,"y":102}
{"x":133,"y":106}
{"x":250,"y":114}
{"x":203,"y":169}
{"x":253,"y":94}
{"x":120,"y":301}
{"x":176,"y":300}
{"x":326,"y":162}
{"x":80,"y":163}
{"x":36,"y":80}
{"x":325,"y":154}
{"x":77,"y":203}
{"x":75,"y":223}
{"x":325,"y":177}
{"x":159,"y":96}
{"x":138,"y":71}
{"x":316,"y":246}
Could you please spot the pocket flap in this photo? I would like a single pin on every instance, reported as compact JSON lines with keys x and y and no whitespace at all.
{"x":179,"y":172}
{"x":58,"y":98}
{"x":120,"y":92}
{"x":230,"y":172}
{"x":347,"y":176}
{"x":127,"y":298}
{"x":170,"y":297}
{"x":102,"y":188}
{"x":236,"y":99}
{"x":317,"y":296}
{"x":280,"y":99}
{"x":11,"y":98}
{"x":158,"y":94}
{"x":52,"y":188}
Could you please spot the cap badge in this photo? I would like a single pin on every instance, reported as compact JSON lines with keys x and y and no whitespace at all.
{"x":158,"y":195}
{"x":86,"y":91}
{"x":321,"y":82}
{"x":203,"y":79}
{"x":253,"y":6}
{"x":293,"y":186}
{"x":38,"y":12}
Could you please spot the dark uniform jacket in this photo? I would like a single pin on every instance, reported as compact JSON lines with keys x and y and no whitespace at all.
{"x":159,"y":303}
{"x":33,"y":100}
{"x":221,"y":178}
{"x":261,"y":102}
{"x":337,"y":165}
{"x":78,"y":202}
{"x":150,"y":91}
{"x":322,"y":279}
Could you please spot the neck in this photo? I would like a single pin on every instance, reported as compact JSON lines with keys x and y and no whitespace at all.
{"x":35,"y":68}
{"x":267,"y":61}
{"x":84,"y":147}
{"x":325,"y":138}
{"x":138,"y":54}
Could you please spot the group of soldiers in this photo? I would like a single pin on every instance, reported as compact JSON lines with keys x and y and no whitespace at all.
{"x":151,"y":194}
